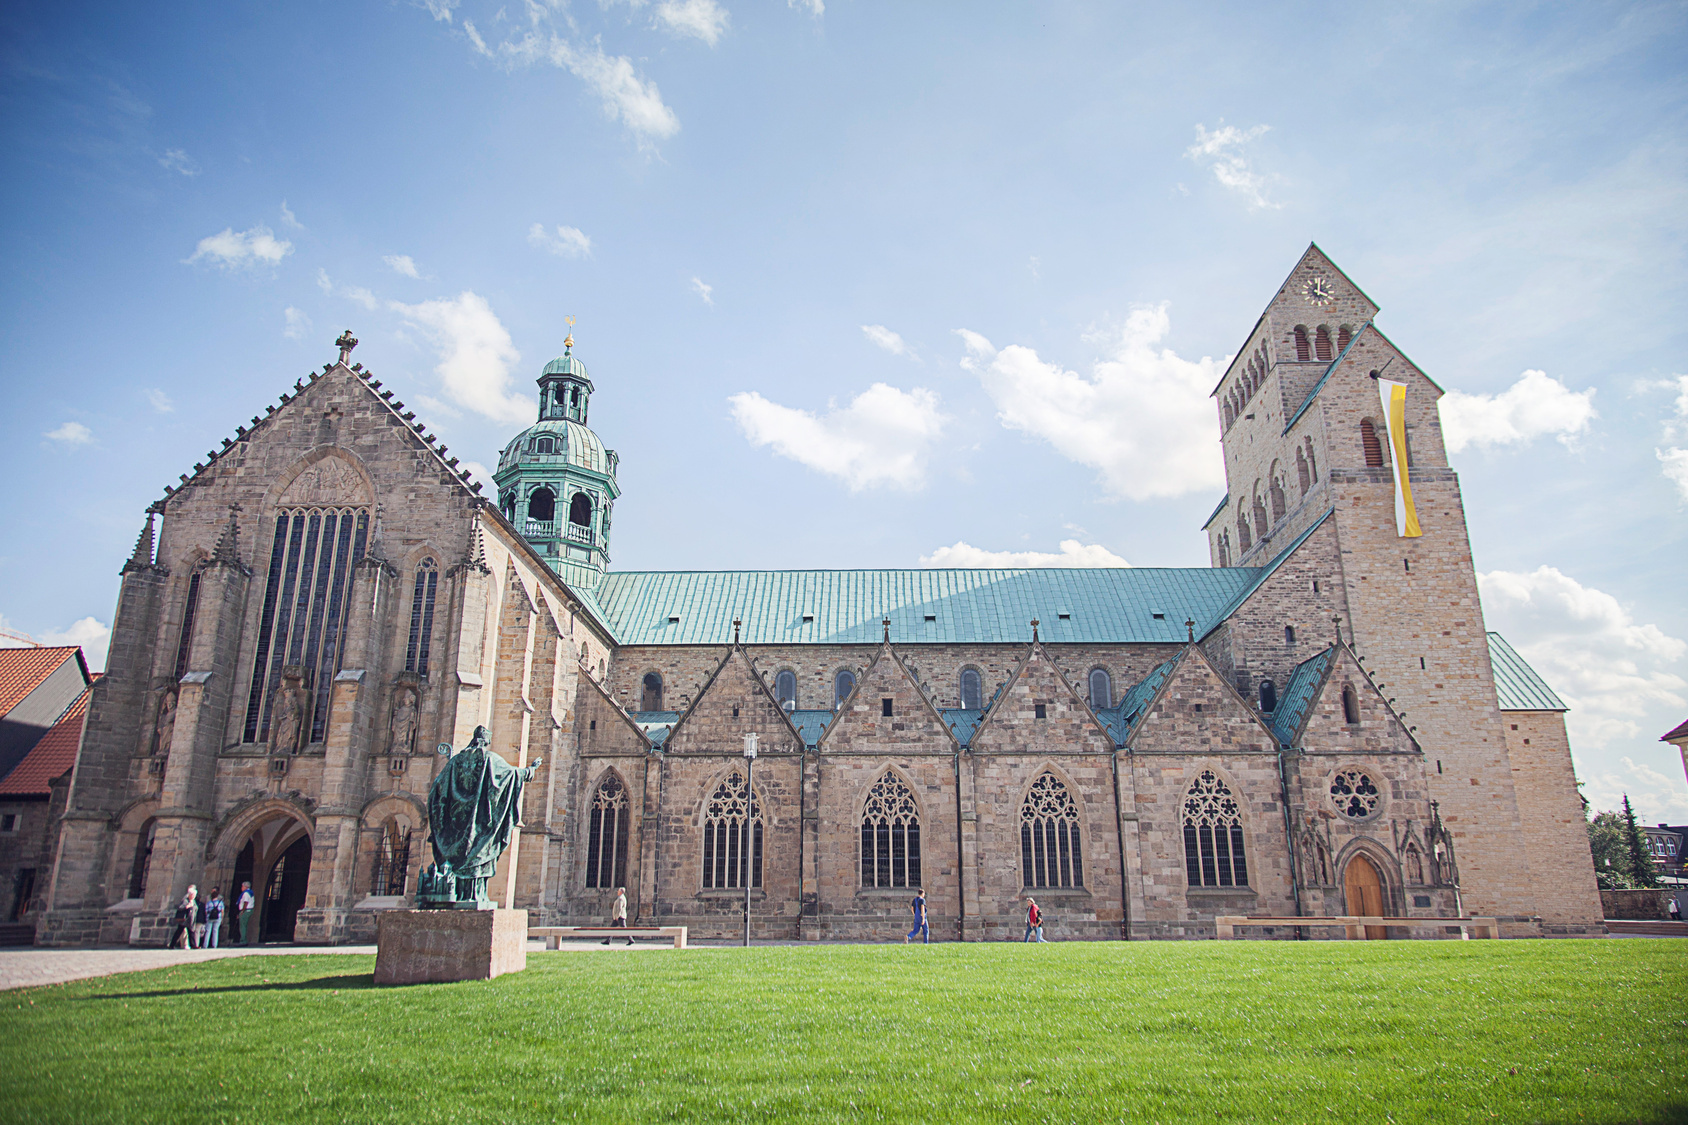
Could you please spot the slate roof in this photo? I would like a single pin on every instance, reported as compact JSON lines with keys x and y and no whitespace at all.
{"x":23,"y":669}
{"x":963,"y":721}
{"x":985,"y":606}
{"x":1517,"y":687}
{"x":1120,"y":720}
{"x":1299,"y":694}
{"x":51,"y":757}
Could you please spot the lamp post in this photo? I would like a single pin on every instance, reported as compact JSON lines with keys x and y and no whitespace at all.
{"x":749,"y":815}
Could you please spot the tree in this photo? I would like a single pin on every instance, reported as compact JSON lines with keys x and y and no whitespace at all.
{"x":1641,"y":868}
{"x":1610,"y":850}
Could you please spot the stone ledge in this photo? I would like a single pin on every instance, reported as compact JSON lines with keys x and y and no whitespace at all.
{"x":421,"y":946}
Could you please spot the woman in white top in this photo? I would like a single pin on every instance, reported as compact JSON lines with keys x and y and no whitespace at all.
{"x":182,"y":936}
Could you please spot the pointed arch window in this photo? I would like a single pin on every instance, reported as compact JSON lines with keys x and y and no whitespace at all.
{"x":421,"y":617}
{"x":391,"y":869}
{"x":1213,"y":835}
{"x":1101,"y":689}
{"x":842,"y":685}
{"x":650,"y":696}
{"x":1050,"y":855}
{"x":184,"y":646}
{"x":972,"y":689}
{"x":606,"y":835}
{"x":890,"y":835}
{"x":785,"y":688}
{"x":732,"y":836}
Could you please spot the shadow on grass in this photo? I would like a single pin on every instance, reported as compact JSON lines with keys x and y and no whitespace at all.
{"x":355,"y":981}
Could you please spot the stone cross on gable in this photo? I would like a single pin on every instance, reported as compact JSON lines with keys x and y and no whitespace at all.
{"x":346,"y":343}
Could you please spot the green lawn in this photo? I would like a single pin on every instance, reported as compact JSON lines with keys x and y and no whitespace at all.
{"x":1514,"y":1031}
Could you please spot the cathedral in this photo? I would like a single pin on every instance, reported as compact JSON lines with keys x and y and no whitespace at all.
{"x":1316,"y":724}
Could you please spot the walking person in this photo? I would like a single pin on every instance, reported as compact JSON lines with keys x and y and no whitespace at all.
{"x":182,"y":936}
{"x":243,"y":905}
{"x":199,"y":924}
{"x":918,"y":909}
{"x":214,"y":909}
{"x":1034,"y":920}
{"x":1675,"y":910}
{"x":618,"y":912}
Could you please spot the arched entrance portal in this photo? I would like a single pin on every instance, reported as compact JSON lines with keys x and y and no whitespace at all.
{"x":276,"y":860}
{"x":1364,"y":890}
{"x":284,"y":890}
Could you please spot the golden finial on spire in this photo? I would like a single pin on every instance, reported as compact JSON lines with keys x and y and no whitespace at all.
{"x":568,"y":341}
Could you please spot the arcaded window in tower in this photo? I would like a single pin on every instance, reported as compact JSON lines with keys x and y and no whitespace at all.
{"x":1301,"y":471}
{"x":1321,"y":343}
{"x":1101,"y":689}
{"x":1279,"y":505}
{"x":1350,"y":706}
{"x":785,"y":687}
{"x":1343,"y":336}
{"x":580,"y":510}
{"x":732,"y":836}
{"x":606,"y":835}
{"x":842,"y":685}
{"x":1303,"y":350}
{"x":890,"y":835}
{"x":542,"y":505}
{"x":1213,"y":835}
{"x":1244,"y":543}
{"x":1230,"y":416}
{"x":1049,"y":836}
{"x":650,"y":697}
{"x":1312,"y":462}
{"x":972,"y":689}
{"x":305,"y":600}
{"x":421,"y":617}
{"x":1368,"y":442}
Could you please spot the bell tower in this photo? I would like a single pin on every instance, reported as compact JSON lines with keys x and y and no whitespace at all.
{"x":556,"y":481}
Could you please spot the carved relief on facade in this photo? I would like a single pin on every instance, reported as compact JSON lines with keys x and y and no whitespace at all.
{"x":1316,"y":851}
{"x":165,"y":729}
{"x":329,"y":481}
{"x":401,"y":727}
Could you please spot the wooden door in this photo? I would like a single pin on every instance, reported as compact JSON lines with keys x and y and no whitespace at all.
{"x":1365,"y":893}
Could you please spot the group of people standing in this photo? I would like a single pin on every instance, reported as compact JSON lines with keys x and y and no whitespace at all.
{"x":199,"y":923}
{"x":923,"y":929}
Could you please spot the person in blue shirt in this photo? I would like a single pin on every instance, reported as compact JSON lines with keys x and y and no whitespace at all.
{"x":213,"y":918}
{"x":918,"y":909}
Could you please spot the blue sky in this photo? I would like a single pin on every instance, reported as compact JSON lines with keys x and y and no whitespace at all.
{"x":780,"y":227}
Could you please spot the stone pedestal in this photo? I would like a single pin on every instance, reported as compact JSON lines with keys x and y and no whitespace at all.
{"x":418,"y":946}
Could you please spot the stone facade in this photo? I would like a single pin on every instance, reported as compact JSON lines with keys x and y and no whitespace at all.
{"x":1340,"y":706}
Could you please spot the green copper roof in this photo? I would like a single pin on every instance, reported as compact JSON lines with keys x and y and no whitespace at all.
{"x":577,"y":445}
{"x":1256,"y":576}
{"x":565,"y":364}
{"x":1298,"y":695}
{"x":1123,"y":605}
{"x":1517,"y":687}
{"x":1121,"y":719}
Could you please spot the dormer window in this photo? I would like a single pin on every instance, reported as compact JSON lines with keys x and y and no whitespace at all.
{"x":545,"y":445}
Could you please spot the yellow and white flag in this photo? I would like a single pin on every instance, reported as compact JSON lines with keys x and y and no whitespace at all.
{"x":1394,"y":396}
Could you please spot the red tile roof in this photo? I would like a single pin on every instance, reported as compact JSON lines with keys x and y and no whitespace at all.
{"x":23,"y":669}
{"x":51,"y":757}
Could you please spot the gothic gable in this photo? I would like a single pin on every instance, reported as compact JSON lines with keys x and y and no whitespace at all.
{"x":1014,"y":725}
{"x":602,"y":726}
{"x":1321,"y":719}
{"x":912,"y":726}
{"x":1196,"y":712}
{"x":733,"y":702}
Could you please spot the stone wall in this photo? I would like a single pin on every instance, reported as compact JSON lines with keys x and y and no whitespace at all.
{"x":1550,"y":814}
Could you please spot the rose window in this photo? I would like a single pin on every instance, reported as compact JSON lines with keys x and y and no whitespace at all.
{"x":1355,"y":794}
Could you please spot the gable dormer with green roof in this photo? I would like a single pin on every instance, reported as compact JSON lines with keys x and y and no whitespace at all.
{"x":556,"y":481}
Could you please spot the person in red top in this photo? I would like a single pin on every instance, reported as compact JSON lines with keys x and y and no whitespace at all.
{"x":1034,"y":920}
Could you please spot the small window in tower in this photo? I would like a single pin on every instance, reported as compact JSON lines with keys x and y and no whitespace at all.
{"x":885,"y":707}
{"x":1040,"y":710}
{"x":1268,"y":696}
{"x":1289,"y":634}
{"x":785,"y":687}
{"x":575,"y":398}
{"x":580,"y":510}
{"x":1351,"y":707}
{"x":1101,"y":689}
{"x":542,"y":506}
{"x":972,"y":689}
{"x":651,"y":696}
{"x":842,"y":685}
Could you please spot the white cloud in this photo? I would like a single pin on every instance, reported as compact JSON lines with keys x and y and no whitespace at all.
{"x":479,"y":472}
{"x":882,"y":439}
{"x":297,"y":323}
{"x":249,"y":247}
{"x":89,"y":633}
{"x":568,"y":242}
{"x":440,"y":9}
{"x":288,"y":218}
{"x":885,"y":338}
{"x":1608,"y":669}
{"x":402,"y":264}
{"x":1222,"y":151}
{"x":703,"y":290}
{"x":626,"y":97}
{"x":1536,"y":404}
{"x":160,"y":401}
{"x":70,"y":435}
{"x":476,"y":354}
{"x":700,"y":19}
{"x":350,"y":292}
{"x":178,"y":161}
{"x":1073,"y":554}
{"x":1674,"y":464}
{"x":816,"y":8}
{"x":1142,"y":419}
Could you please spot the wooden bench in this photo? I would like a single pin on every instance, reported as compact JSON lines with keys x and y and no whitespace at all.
{"x":554,"y":935}
{"x":1354,"y":925}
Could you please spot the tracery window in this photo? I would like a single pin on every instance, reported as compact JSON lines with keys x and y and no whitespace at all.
{"x":305,"y":603}
{"x":421,"y":617}
{"x":732,"y":836}
{"x":606,"y":835}
{"x":1101,"y":689}
{"x":391,"y":869}
{"x":1049,"y":836}
{"x":972,"y":689}
{"x":651,"y":693}
{"x":1213,"y":835}
{"x":1354,"y":794}
{"x":184,"y":645}
{"x":890,"y":835}
{"x":785,"y":687}
{"x":842,"y":685}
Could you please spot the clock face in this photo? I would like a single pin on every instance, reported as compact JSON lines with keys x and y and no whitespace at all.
{"x":1318,"y":291}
